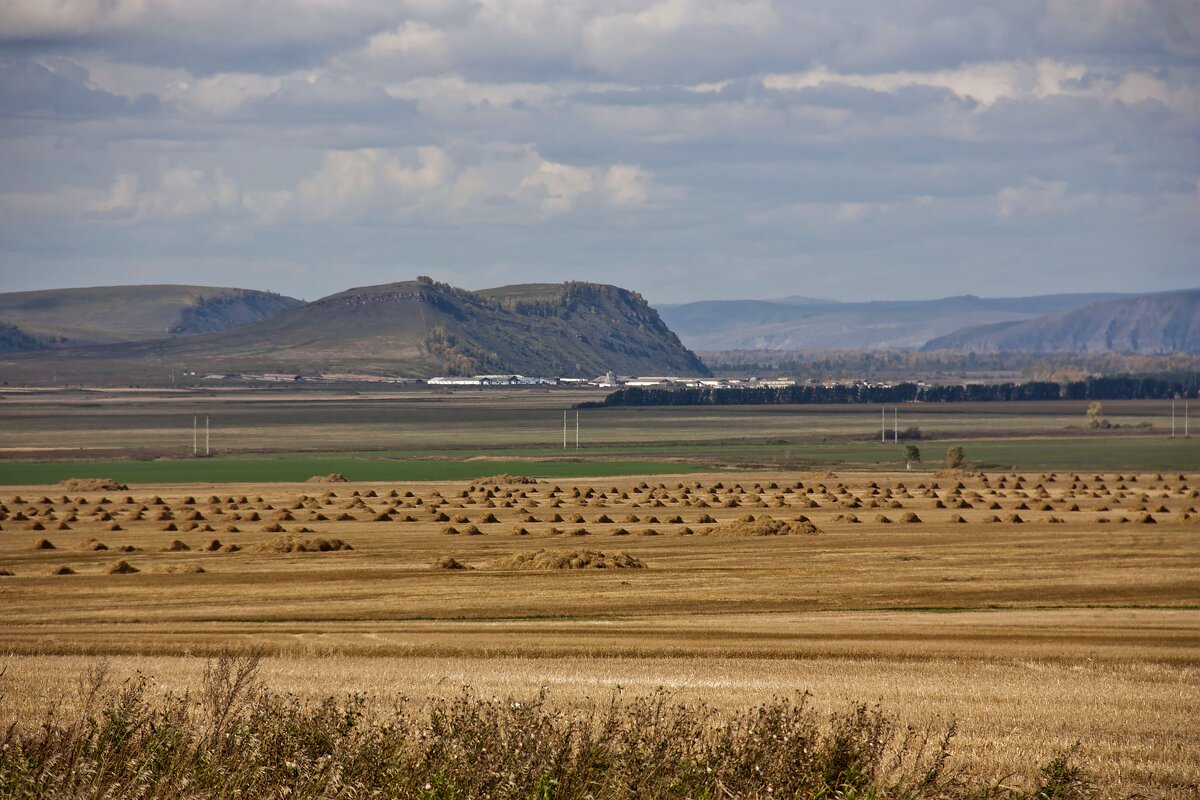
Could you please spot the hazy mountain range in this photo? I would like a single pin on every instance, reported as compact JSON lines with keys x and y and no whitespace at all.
{"x":1168,"y":322}
{"x":803,"y":324}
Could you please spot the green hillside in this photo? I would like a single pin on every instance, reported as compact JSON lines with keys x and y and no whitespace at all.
{"x":107,"y":314}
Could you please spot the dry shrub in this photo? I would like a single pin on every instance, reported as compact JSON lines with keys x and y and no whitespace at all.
{"x":766,"y":526}
{"x":568,"y":559}
{"x":295,"y":544}
{"x":120,"y":568}
{"x":333,"y":477}
{"x":449,"y":562}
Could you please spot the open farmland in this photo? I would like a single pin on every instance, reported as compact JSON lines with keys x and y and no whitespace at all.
{"x":281,"y":435}
{"x":1036,"y":609}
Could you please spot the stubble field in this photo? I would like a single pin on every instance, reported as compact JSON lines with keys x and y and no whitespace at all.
{"x":1034,"y":609}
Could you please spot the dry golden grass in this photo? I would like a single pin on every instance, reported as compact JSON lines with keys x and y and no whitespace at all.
{"x":1032,"y":635}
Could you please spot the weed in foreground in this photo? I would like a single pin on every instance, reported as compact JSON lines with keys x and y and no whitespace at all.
{"x":236,"y":738}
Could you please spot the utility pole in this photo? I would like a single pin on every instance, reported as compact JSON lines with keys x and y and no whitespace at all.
{"x":576,"y":430}
{"x":883,"y":425}
{"x":896,"y":424}
{"x":1185,"y":419}
{"x":564,"y":429}
{"x":206,"y":439}
{"x":195,"y":436}
{"x":1172,"y":417}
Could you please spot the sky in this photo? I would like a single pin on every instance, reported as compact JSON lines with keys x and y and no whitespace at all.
{"x":686,"y":149}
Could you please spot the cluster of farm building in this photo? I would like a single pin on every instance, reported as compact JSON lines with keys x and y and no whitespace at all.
{"x":606,"y":381}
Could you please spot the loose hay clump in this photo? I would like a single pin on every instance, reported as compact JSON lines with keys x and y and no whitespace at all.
{"x":504,"y":477}
{"x":92,"y":485}
{"x":294,"y":544}
{"x":766,"y":526}
{"x":180,"y":569}
{"x":568,"y":559}
{"x":333,"y":477}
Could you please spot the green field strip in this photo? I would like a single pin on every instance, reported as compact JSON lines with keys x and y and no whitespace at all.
{"x":295,"y":469}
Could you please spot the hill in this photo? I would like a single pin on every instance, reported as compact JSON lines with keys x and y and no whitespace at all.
{"x":797,"y":324}
{"x":1168,"y":322}
{"x":106,"y":314}
{"x":414,"y":328}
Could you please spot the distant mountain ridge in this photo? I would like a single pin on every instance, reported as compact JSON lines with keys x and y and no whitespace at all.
{"x":107,"y":314}
{"x":415,"y":328}
{"x":792,"y":324}
{"x":1166,"y":322}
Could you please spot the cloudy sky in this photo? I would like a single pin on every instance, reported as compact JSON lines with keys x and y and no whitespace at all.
{"x":688,"y":149}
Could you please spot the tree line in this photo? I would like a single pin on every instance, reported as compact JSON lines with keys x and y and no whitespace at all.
{"x":1128,"y":387}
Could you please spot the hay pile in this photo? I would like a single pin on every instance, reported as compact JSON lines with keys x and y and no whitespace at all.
{"x":333,"y":477}
{"x":504,"y":477}
{"x":180,"y":569}
{"x":92,"y":485}
{"x":121,"y":568}
{"x":294,"y":544}
{"x":449,"y":562}
{"x":766,"y":526}
{"x":568,"y":559}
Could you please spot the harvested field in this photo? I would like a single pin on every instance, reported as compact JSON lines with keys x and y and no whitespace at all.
{"x":1031,"y":636}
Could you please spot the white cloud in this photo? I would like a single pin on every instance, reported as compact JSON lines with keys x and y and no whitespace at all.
{"x":626,"y":185}
{"x":556,"y":187}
